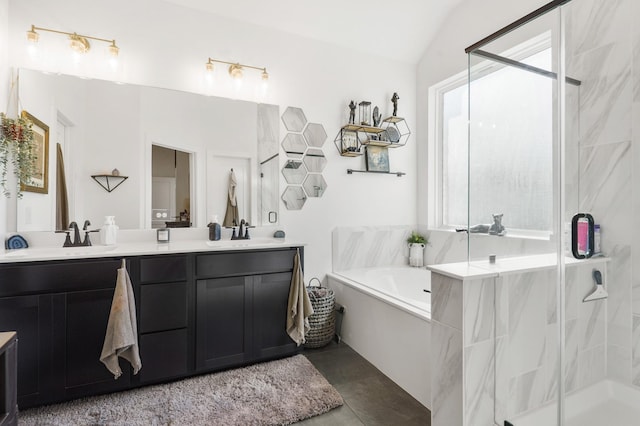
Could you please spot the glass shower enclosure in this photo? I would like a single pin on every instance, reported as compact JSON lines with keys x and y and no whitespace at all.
{"x":553,"y":115}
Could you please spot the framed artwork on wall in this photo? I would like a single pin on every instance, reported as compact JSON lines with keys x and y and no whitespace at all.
{"x":40,"y":180}
{"x":377,"y":159}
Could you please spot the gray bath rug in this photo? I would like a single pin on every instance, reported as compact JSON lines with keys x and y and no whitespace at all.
{"x":273,"y":393}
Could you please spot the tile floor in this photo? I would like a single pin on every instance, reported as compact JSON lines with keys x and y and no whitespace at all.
{"x":370,"y":397}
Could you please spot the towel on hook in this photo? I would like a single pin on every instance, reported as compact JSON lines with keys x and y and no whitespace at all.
{"x":232,"y":216}
{"x":299,"y":307}
{"x":121,"y":339}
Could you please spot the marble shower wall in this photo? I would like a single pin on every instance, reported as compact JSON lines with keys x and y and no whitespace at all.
{"x":496,"y":337}
{"x":603,"y":51}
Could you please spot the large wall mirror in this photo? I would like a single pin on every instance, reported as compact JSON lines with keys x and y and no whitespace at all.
{"x":102,"y":126}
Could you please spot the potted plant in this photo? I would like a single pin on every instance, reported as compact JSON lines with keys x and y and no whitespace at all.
{"x":417,"y":242}
{"x":17,"y":149}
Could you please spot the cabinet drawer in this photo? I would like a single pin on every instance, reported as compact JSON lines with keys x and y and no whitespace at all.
{"x":244,"y":263}
{"x":162,"y":269}
{"x":60,"y":276}
{"x":164,"y":355}
{"x":163,"y":306}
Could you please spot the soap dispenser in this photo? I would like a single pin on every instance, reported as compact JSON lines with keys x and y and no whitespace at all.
{"x":214,"y":229}
{"x":108,"y":231}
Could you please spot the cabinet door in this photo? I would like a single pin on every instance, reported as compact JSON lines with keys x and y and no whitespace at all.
{"x":223,"y":322}
{"x":271,"y":296}
{"x":80,"y":323}
{"x":30,"y":317}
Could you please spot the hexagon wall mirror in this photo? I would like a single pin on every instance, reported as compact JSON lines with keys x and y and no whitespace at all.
{"x":315,"y":160}
{"x":314,"y":185}
{"x":294,"y":171}
{"x":315,"y":135}
{"x":294,"y":197}
{"x":294,"y":119}
{"x":294,"y":145}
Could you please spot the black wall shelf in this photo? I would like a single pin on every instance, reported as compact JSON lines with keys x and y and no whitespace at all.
{"x":352,"y":171}
{"x":109,"y":182}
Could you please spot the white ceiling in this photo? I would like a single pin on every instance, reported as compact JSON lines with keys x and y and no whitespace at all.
{"x":396,"y":29}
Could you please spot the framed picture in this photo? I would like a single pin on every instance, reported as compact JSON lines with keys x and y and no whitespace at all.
{"x":40,"y":179}
{"x":377,"y":159}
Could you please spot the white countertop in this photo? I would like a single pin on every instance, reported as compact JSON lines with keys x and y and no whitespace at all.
{"x":129,"y":248}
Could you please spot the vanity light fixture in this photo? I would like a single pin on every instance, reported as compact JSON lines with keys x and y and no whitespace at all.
{"x":79,"y":43}
{"x":236,"y":70}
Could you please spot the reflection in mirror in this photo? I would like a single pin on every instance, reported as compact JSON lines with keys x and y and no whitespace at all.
{"x":268,"y":158}
{"x":315,"y":135}
{"x":294,"y":171}
{"x":219,"y":171}
{"x":294,"y":145}
{"x":293,"y":197}
{"x":269,"y":189}
{"x":294,"y":119}
{"x":170,"y":188}
{"x":315,"y":160}
{"x":109,"y":126}
{"x":314,"y":185}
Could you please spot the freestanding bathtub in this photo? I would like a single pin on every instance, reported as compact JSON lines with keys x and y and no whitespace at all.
{"x":387,"y":320}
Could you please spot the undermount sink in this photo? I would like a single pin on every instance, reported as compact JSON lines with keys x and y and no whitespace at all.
{"x":246,"y":243}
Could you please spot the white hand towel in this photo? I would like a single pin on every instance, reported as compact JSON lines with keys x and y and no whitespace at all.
{"x":121,"y":339}
{"x":299,"y":307}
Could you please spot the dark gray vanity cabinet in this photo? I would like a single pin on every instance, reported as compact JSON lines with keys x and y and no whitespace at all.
{"x":163,"y":298}
{"x":60,"y":312}
{"x":30,"y":317}
{"x":241,"y":307}
{"x":196,"y":312}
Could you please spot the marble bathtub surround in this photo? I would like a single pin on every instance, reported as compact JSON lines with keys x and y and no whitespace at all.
{"x":503,"y":319}
{"x":367,"y":246}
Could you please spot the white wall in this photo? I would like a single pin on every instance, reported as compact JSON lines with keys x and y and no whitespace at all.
{"x":165,"y":45}
{"x":468,"y":23}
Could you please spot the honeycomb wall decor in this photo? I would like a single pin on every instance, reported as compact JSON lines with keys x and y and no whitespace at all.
{"x":305,"y":159}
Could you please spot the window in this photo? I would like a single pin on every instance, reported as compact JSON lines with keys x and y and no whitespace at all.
{"x":511,"y":134}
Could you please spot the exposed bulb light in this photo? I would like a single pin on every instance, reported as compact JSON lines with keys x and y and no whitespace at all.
{"x":235,"y":71}
{"x":32,"y":35}
{"x":79,"y":44}
{"x":113,"y":49}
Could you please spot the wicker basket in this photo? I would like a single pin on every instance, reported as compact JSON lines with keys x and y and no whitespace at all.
{"x":323,"y":319}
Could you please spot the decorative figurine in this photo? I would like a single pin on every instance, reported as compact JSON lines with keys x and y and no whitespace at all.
{"x":496,"y":228}
{"x":394,"y":100}
{"x":377,"y":117}
{"x":352,"y":112}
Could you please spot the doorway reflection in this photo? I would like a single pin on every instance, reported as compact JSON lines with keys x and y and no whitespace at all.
{"x":171,"y":188}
